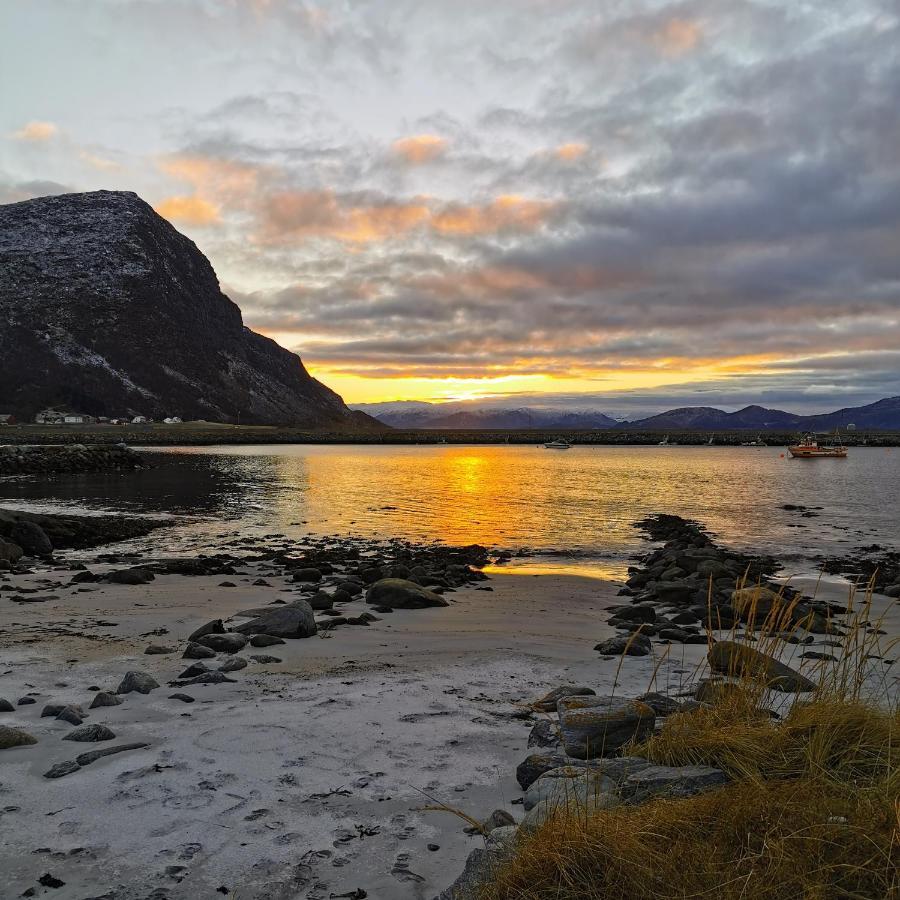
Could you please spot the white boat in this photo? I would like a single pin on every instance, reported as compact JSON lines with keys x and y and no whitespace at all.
{"x":557,"y":445}
{"x":759,"y":442}
{"x":665,"y":442}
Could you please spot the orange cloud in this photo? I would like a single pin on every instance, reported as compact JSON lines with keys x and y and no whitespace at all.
{"x":36,"y":131}
{"x":506,"y":213}
{"x":192,"y":210}
{"x":218,"y":181}
{"x":98,"y":162}
{"x":571,"y":152}
{"x":678,"y":36}
{"x":420,"y":148}
{"x":301,"y":214}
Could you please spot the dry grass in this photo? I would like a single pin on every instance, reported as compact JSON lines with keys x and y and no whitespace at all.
{"x":813,"y":812}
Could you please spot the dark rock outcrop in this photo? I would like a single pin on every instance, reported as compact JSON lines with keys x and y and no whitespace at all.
{"x":106,"y":309}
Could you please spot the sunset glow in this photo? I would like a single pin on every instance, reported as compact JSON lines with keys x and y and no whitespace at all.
{"x":434,"y":203}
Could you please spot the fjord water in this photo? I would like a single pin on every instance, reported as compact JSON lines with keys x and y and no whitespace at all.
{"x":572,"y":508}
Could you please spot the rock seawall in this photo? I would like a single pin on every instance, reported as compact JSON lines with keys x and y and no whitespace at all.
{"x":36,"y":459}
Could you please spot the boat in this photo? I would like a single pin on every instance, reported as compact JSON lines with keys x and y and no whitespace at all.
{"x":557,"y":445}
{"x":665,"y":442}
{"x":759,"y":442}
{"x":810,"y":448}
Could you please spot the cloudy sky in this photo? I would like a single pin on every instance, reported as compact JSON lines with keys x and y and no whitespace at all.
{"x":431,"y":199}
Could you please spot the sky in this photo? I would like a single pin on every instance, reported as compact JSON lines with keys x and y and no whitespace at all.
{"x":557,"y":199}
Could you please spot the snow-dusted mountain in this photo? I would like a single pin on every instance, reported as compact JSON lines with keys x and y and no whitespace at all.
{"x":108,"y":310}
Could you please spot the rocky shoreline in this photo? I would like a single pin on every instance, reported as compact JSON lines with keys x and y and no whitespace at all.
{"x":330,"y":620}
{"x":52,"y":459}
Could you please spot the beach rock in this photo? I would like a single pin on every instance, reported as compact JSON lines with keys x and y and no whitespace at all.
{"x":320,"y":601}
{"x":731,"y":658}
{"x":544,"y":734}
{"x":234,"y":664}
{"x":307,"y":576}
{"x":52,"y":709}
{"x":756,"y":602}
{"x":62,"y":769}
{"x":629,"y":644}
{"x":14,"y":737}
{"x":293,"y":621}
{"x":599,"y":726}
{"x":398,"y":593}
{"x":223,"y":643}
{"x":85,"y":759}
{"x":25,"y":701}
{"x":11,"y":553}
{"x":137,"y":575}
{"x":265,"y":640}
{"x":207,"y":678}
{"x":672,"y":781}
{"x":90,"y":733}
{"x":184,"y":698}
{"x":499,"y":818}
{"x":559,"y":786}
{"x":6,"y":706}
{"x":193,"y":671}
{"x":31,"y":538}
{"x":640,"y":612}
{"x":532,"y":767}
{"x":548,"y":702}
{"x":198,"y":651}
{"x":74,"y":715}
{"x":265,"y":659}
{"x":660,"y":703}
{"x":216,"y":626}
{"x":158,"y":650}
{"x":103,"y":698}
{"x":141,"y":682}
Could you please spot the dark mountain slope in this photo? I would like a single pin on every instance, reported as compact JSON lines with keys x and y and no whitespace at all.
{"x":107,"y":309}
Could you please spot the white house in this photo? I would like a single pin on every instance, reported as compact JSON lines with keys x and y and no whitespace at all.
{"x":172,"y":420}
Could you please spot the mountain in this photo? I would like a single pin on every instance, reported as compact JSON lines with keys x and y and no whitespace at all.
{"x":707,"y":418}
{"x":884,"y":414}
{"x":416,"y":414}
{"x":106,"y":309}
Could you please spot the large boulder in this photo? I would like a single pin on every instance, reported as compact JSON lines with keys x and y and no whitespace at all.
{"x":216,"y":626}
{"x":599,"y":726}
{"x":140,"y":682}
{"x":90,"y":733}
{"x":755,"y":602}
{"x":398,"y":593}
{"x":672,"y":781}
{"x":223,"y":643}
{"x":31,"y":538}
{"x":14,"y":737}
{"x":294,"y":620}
{"x":10,"y":553}
{"x":136,"y":575}
{"x":741,"y":661}
{"x":568,"y":782}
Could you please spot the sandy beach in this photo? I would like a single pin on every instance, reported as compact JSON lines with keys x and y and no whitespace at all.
{"x":303,"y":778}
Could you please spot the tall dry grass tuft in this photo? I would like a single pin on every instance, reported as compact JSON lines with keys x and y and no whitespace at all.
{"x":813,"y":811}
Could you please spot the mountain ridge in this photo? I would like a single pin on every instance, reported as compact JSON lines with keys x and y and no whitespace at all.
{"x":107,"y":309}
{"x":882,"y":415}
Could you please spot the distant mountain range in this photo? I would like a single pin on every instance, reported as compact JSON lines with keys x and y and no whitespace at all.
{"x":883,"y":415}
{"x":416,"y":414}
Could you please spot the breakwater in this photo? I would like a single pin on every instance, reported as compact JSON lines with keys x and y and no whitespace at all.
{"x":36,"y":459}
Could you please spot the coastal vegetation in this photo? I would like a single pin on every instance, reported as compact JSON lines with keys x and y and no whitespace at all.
{"x":811,"y":807}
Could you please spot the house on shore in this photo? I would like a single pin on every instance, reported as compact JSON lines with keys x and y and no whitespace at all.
{"x":7,"y":419}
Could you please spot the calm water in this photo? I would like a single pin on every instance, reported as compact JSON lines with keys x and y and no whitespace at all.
{"x":574,"y":507}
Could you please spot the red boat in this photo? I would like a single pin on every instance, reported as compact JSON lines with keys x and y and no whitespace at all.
{"x":810,"y":448}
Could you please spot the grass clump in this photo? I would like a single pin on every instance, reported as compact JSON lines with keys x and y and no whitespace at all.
{"x":812,"y":813}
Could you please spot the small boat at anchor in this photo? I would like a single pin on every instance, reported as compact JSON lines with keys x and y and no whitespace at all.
{"x":557,"y":445}
{"x":759,"y":442}
{"x":810,"y":448}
